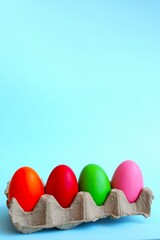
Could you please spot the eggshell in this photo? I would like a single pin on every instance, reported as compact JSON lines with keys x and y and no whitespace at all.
{"x":27,"y":187}
{"x":62,"y":184}
{"x":128,"y":178}
{"x":94,"y":180}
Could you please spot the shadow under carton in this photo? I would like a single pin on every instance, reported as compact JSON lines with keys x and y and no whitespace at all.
{"x":49,"y":214}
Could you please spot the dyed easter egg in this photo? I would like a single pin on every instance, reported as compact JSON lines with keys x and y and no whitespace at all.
{"x":63,"y":185}
{"x":128,"y":178}
{"x":27,"y":187}
{"x":94,"y":180}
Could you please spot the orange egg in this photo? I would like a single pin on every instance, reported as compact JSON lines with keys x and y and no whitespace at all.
{"x":27,"y":187}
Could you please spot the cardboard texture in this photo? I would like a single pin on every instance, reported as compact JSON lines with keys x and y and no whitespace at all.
{"x":49,"y":214}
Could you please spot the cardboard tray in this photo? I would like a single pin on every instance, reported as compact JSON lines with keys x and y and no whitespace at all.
{"x":49,"y":214}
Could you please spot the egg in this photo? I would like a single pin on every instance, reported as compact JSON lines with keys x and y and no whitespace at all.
{"x":62,"y":184}
{"x":128,"y":178}
{"x":26,"y":187}
{"x":94,"y":180}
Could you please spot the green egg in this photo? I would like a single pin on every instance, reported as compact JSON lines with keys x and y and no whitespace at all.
{"x":94,"y":180}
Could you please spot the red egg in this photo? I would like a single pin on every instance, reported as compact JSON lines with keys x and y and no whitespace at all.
{"x":26,"y":187}
{"x":63,"y":185}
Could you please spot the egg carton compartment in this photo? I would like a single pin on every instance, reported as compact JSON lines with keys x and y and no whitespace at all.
{"x":49,"y":214}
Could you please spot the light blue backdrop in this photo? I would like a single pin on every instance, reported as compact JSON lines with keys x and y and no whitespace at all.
{"x":80,"y":83}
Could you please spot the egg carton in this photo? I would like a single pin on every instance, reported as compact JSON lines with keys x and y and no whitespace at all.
{"x":49,"y":214}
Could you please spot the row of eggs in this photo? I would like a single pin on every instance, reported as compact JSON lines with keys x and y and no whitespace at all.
{"x":27,"y":187}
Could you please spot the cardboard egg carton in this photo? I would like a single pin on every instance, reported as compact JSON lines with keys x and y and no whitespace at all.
{"x":49,"y":214}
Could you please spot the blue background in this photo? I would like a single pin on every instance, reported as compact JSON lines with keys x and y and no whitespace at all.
{"x":79,"y":84}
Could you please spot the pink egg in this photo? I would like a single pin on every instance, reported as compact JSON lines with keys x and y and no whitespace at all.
{"x":129,"y":179}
